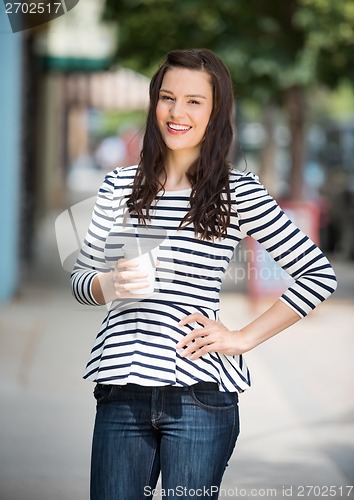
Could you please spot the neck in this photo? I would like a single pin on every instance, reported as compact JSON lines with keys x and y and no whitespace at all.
{"x":176,"y":167}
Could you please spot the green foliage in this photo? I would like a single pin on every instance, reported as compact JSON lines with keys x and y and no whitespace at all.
{"x":336,"y":105}
{"x":275,"y":49}
{"x":269,"y":45}
{"x":329,"y":47}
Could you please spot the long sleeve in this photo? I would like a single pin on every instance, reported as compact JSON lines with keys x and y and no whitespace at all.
{"x":261,"y":218}
{"x":91,"y":259}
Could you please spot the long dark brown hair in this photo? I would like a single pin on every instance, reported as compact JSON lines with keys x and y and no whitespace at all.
{"x":210,"y":202}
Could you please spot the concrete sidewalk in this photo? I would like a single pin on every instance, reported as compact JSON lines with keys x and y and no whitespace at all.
{"x":297,"y":421}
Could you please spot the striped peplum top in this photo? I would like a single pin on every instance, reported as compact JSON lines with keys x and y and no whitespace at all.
{"x":137,"y":339}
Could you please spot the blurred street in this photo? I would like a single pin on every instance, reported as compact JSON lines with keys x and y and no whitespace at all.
{"x":73,"y":97}
{"x":297,"y":421}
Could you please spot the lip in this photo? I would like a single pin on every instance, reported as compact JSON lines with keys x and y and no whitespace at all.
{"x":178,"y":131}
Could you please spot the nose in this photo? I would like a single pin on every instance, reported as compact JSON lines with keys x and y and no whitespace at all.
{"x":177,"y":109}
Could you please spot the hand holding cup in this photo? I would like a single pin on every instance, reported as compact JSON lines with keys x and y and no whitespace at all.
{"x":129,"y":278}
{"x":135,"y":274}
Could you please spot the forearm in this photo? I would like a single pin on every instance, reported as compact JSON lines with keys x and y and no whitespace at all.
{"x":213,"y":336}
{"x":276,"y":319}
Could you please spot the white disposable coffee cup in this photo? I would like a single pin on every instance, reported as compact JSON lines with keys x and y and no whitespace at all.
{"x":146,"y":263}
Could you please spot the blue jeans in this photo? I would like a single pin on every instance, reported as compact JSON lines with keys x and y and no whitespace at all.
{"x":187,"y":434}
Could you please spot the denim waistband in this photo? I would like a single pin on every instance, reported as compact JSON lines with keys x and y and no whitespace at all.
{"x":201,"y":386}
{"x":206,"y":386}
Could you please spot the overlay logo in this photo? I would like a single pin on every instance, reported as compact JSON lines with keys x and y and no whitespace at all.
{"x":29,"y":14}
{"x":144,"y":244}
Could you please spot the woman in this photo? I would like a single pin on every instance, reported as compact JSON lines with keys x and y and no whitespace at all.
{"x":168,"y":373}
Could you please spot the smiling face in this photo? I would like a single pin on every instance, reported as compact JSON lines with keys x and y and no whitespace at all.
{"x":183,"y":109}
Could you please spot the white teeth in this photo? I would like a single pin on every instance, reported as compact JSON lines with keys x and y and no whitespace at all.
{"x":174,"y":126}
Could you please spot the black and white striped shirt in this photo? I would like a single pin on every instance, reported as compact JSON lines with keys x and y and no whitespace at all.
{"x":137,"y":340}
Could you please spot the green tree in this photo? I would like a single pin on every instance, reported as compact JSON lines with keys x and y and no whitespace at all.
{"x":276,"y":50}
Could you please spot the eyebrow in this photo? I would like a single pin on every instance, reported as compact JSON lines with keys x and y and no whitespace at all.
{"x":188,"y":95}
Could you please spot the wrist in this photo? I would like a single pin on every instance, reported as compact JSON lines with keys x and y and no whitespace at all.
{"x":244,"y":341}
{"x":103,"y":288}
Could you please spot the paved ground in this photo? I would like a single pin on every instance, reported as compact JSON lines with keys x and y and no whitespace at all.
{"x":297,"y":421}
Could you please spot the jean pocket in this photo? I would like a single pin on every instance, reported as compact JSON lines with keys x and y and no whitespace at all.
{"x":214,"y":400}
{"x":104,"y":393}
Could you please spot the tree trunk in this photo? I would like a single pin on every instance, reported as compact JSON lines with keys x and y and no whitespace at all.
{"x":294,"y":102}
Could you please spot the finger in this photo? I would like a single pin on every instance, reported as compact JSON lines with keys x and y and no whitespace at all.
{"x":197,"y":332}
{"x":197,"y":349}
{"x":126,"y":287}
{"x":194,"y":346}
{"x":131,"y":275}
{"x":124,"y":263}
{"x":201,"y":352}
{"x":199,"y":318}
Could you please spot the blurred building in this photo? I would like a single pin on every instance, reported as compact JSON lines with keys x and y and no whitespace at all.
{"x":55,"y":74}
{"x":10,"y":147}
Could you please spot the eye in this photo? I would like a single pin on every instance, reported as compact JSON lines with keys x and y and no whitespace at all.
{"x":193,"y":101}
{"x":166,"y":98}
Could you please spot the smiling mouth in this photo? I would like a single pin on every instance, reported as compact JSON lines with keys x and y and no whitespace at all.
{"x":177,"y":127}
